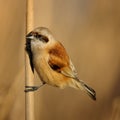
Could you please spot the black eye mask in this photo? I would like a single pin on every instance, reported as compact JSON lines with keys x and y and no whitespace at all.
{"x":43,"y":38}
{"x":38,"y":36}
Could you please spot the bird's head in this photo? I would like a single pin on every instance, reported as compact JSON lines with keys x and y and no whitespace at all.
{"x":39,"y":37}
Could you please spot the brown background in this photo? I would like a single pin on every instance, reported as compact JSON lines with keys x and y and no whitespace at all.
{"x":90,"y":31}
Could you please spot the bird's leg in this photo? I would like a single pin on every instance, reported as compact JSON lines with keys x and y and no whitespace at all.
{"x":32,"y":88}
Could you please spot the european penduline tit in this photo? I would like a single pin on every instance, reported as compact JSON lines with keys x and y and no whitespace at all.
{"x":52,"y":63}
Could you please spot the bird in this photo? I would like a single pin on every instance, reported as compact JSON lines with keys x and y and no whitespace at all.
{"x":49,"y":58}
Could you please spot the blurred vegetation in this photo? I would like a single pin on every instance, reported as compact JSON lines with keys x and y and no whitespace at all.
{"x":90,"y":32}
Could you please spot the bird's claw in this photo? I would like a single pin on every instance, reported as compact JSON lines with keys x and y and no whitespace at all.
{"x":30,"y":88}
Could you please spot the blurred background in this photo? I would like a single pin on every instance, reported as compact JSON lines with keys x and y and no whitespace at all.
{"x":90,"y":31}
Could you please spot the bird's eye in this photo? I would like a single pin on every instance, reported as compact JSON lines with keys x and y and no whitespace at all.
{"x":37,"y":35}
{"x":41,"y":37}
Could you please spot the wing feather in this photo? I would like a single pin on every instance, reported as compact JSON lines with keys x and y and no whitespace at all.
{"x":60,"y":61}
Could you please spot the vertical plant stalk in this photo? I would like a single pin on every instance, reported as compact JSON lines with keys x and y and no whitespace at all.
{"x":29,"y":96}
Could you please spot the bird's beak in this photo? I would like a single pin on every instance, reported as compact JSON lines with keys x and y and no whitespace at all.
{"x":30,"y":36}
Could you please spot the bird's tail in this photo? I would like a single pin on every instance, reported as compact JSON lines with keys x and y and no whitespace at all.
{"x":81,"y":85}
{"x":90,"y":91}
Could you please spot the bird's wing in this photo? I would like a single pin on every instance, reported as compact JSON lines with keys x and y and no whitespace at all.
{"x":60,"y":62}
{"x":70,"y":71}
{"x":59,"y":66}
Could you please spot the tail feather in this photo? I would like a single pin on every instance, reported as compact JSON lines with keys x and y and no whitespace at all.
{"x":90,"y":92}
{"x":81,"y":85}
